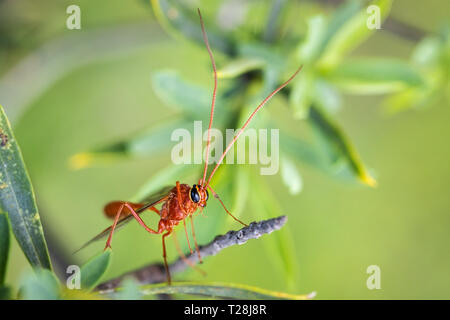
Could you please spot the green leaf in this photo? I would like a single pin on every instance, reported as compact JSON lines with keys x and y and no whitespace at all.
{"x":221,"y":290}
{"x":310,"y":49}
{"x":268,"y":57}
{"x":302,"y":94}
{"x":6,"y":293}
{"x":77,"y":294}
{"x":155,"y":139}
{"x":320,"y":32}
{"x":240,"y":66}
{"x":375,"y":76}
{"x":427,"y":51}
{"x":179,"y":20}
{"x":300,"y":150}
{"x":129,"y":290}
{"x":416,"y":97}
{"x":327,"y":96}
{"x":94,"y":269}
{"x":338,"y":146}
{"x":432,"y":56}
{"x":144,"y":143}
{"x":96,"y":157}
{"x":240,"y":191}
{"x":340,"y":18}
{"x":41,"y":284}
{"x":274,"y":64}
{"x":193,"y":100}
{"x":279,"y":245}
{"x":291,"y":176}
{"x":4,"y":246}
{"x":17,"y":198}
{"x":348,"y":29}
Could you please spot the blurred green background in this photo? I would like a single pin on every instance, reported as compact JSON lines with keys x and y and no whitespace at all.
{"x":101,"y":92}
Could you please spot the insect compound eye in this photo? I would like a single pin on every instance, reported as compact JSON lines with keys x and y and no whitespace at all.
{"x":207,"y":195}
{"x":195,"y":196}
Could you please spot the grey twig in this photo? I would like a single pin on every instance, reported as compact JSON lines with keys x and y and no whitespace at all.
{"x":155,"y":273}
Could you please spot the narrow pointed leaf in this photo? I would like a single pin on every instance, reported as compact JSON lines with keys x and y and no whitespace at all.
{"x":274,"y":63}
{"x":327,"y":96}
{"x":300,"y":151}
{"x":4,"y":246}
{"x":193,"y":100}
{"x":41,"y":284}
{"x":429,"y":51}
{"x":93,"y":271}
{"x":416,"y":97}
{"x":141,"y":144}
{"x":76,"y":294}
{"x":6,"y":293}
{"x":348,"y":29}
{"x":130,"y":290}
{"x":279,"y":245}
{"x":375,"y":75}
{"x":177,"y":20}
{"x":240,"y":66}
{"x":321,"y":31}
{"x":344,"y":13}
{"x":290,"y":175}
{"x":240,"y":191}
{"x":338,"y":146}
{"x":302,"y":94}
{"x":311,"y":48}
{"x":222,"y":290}
{"x":18,"y":200}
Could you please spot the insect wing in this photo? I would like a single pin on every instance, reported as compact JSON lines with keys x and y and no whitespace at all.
{"x":122,"y":222}
{"x":156,"y":196}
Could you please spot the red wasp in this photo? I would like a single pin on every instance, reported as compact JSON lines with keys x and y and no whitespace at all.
{"x":182,"y":200}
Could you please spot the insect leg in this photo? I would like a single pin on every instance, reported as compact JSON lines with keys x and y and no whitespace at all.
{"x":195,"y":241}
{"x":154,"y":210}
{"x":141,"y":222}
{"x":185,"y":213}
{"x":183,"y":256}
{"x":165,"y":255}
{"x":116,"y":219}
{"x":187,"y":236}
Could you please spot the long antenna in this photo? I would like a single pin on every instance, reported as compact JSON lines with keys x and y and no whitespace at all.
{"x":248,"y":121}
{"x":205,"y":38}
